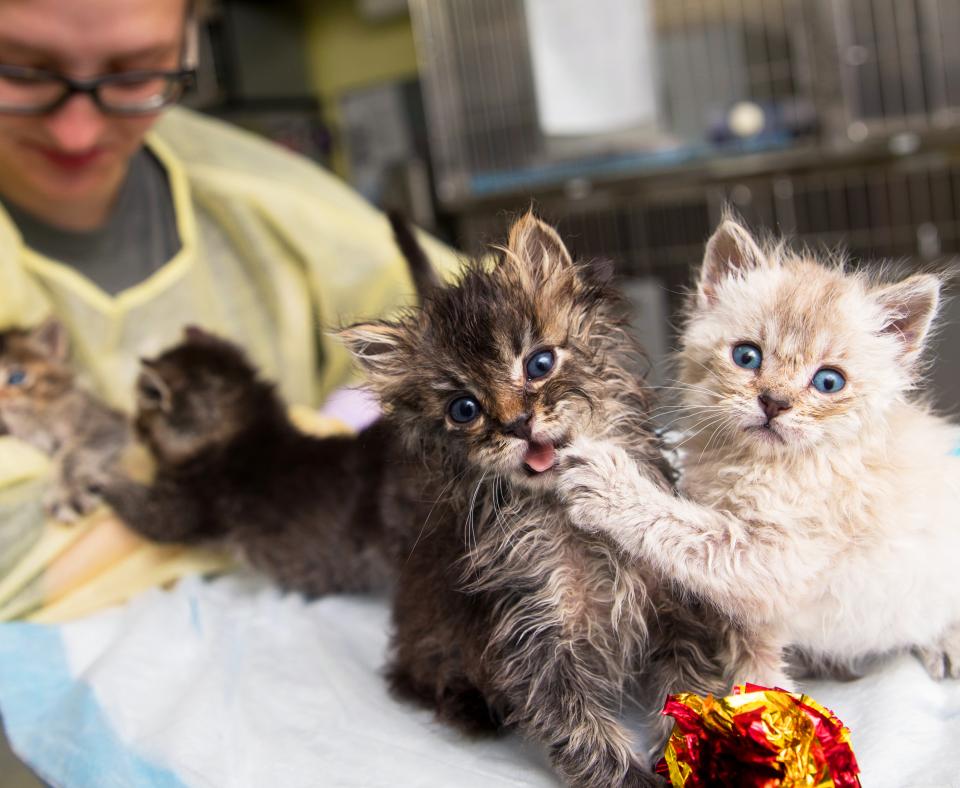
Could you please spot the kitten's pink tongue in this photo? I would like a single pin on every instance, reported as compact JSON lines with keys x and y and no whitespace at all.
{"x":539,"y":457}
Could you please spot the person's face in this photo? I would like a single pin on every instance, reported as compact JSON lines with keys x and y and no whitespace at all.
{"x":77,"y":153}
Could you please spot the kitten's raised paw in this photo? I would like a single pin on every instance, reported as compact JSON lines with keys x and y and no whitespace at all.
{"x":75,"y":491}
{"x":942,"y":661}
{"x":67,"y":504}
{"x":598,"y":480}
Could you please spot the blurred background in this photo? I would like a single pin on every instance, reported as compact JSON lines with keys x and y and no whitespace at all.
{"x":629,"y":123}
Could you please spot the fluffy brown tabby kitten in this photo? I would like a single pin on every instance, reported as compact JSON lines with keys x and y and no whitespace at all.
{"x":505,"y":612}
{"x":42,"y":404}
{"x":312,"y":513}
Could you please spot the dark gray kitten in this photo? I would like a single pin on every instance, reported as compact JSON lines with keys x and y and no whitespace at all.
{"x":318,"y":515}
{"x":42,"y":404}
{"x":506,"y":613}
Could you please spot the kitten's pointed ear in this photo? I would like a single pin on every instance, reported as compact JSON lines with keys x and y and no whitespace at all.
{"x":534,"y":240}
{"x":910,"y":307}
{"x":199,"y":336}
{"x":536,"y":250}
{"x":51,"y":337}
{"x":153,"y":393}
{"x":380,"y":348}
{"x":731,"y":249}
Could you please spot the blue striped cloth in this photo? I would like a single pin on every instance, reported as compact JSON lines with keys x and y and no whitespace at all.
{"x":55,"y":721}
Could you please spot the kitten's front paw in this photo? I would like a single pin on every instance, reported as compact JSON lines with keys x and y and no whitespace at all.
{"x":69,"y":503}
{"x":598,"y":482}
{"x":942,"y":660}
{"x":75,"y":492}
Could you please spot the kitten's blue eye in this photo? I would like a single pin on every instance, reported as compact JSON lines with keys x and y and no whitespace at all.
{"x":540,"y":364}
{"x":16,"y":377}
{"x":463,"y":410}
{"x":747,"y":356}
{"x":829,"y":381}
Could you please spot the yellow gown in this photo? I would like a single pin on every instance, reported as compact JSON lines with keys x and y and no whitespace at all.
{"x":274,"y":252}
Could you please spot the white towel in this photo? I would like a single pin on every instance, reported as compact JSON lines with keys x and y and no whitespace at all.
{"x":229,"y":684}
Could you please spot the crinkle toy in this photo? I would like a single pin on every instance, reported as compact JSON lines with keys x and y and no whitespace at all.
{"x":757,"y":738}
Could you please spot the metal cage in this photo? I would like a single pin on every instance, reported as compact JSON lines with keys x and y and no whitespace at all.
{"x":871,"y":212}
{"x":898,"y":65}
{"x":827,"y":73}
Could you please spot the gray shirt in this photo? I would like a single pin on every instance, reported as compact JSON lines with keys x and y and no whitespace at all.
{"x":139,"y":237}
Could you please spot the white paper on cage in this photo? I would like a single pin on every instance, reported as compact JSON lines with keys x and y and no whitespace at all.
{"x":593,"y":65}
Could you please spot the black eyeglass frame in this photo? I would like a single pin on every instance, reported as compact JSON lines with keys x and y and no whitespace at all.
{"x":178,"y":81}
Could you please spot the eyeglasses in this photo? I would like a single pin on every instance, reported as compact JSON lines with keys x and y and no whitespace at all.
{"x":33,"y":91}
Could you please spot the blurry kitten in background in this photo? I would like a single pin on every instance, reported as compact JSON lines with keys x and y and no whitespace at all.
{"x":318,"y":515}
{"x":230,"y":467}
{"x":42,"y":404}
{"x":822,"y":498}
{"x":505,"y":612}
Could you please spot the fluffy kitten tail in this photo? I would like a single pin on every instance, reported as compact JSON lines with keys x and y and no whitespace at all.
{"x":424,"y":277}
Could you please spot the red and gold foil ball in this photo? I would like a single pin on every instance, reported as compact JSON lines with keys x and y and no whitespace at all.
{"x":757,"y":738}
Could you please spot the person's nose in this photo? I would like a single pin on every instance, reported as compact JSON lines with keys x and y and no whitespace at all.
{"x":77,"y":126}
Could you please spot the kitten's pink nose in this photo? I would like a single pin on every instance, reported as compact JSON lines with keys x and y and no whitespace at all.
{"x":771,"y":406}
{"x":521,"y":427}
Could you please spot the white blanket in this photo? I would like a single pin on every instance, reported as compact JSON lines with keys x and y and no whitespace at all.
{"x":228,"y":683}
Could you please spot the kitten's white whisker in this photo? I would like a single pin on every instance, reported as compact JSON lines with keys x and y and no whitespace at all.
{"x":691,"y":410}
{"x":683,"y":386}
{"x":724,"y":424}
{"x":497,"y":510}
{"x":687,"y":390}
{"x":689,"y":406}
{"x":703,"y":418}
{"x":679,"y":381}
{"x":706,"y":369}
{"x":469,"y":525}
{"x":669,"y":424}
{"x":430,"y":513}
{"x":709,"y":423}
{"x":668,"y":408}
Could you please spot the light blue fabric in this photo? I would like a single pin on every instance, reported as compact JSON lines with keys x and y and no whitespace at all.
{"x":956,"y":451}
{"x":54,"y":722}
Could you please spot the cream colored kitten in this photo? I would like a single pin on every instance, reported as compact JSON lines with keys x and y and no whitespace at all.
{"x":821,"y":502}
